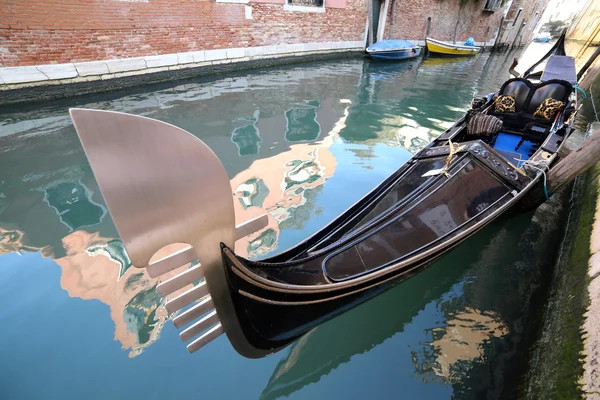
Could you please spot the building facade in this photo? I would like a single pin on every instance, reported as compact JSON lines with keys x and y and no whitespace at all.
{"x":75,"y":41}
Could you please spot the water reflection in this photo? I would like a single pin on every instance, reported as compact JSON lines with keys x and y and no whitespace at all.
{"x":445,"y":326}
{"x":302,"y":124}
{"x":459,"y":343}
{"x":72,"y":203}
{"x":97,"y":268}
{"x":300,"y":144}
{"x":247,"y":137}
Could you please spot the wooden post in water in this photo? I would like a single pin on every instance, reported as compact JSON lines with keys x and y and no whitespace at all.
{"x":391,"y":35}
{"x":370,"y":17}
{"x":457,"y":23}
{"x":567,"y":169}
{"x":517,"y":35}
{"x":485,"y":38}
{"x":383,"y":20}
{"x":498,"y":35}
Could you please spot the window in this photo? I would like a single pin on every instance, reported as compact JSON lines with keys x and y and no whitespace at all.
{"x":306,"y":3}
{"x":492,"y":5}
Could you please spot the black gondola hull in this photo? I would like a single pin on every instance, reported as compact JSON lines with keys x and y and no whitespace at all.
{"x":276,"y":302}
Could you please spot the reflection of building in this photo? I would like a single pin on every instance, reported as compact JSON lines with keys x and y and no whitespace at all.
{"x":284,"y":185}
{"x":302,"y":124}
{"x":97,"y":268}
{"x":463,"y":339}
{"x":251,"y":193}
{"x":54,"y":206}
{"x":247,"y":137}
{"x":13,"y":241}
{"x":73,"y":204}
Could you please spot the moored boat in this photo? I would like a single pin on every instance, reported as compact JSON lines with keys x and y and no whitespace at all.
{"x":543,"y":37}
{"x":439,"y":47}
{"x":393,"y":50}
{"x":476,"y":171}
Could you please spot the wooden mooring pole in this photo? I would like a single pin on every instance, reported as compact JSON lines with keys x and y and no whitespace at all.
{"x":370,"y":18}
{"x":567,"y":169}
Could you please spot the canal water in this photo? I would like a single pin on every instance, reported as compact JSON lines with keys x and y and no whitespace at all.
{"x":301,"y":143}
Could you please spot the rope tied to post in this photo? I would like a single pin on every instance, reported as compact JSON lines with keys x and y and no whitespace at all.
{"x":541,"y":169}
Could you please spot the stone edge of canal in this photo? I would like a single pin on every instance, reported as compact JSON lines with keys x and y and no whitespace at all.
{"x":61,"y":89}
{"x":564,"y":359}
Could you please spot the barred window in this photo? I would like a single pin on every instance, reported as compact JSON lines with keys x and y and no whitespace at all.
{"x":306,"y":3}
{"x":492,"y":5}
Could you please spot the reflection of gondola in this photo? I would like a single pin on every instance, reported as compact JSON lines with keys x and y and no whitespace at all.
{"x":448,"y":191}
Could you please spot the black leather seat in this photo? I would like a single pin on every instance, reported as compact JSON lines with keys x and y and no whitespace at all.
{"x":556,"y":89}
{"x":528,"y":97}
{"x":521,"y":88}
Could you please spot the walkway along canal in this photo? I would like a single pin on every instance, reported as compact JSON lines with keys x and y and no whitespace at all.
{"x":301,"y":143}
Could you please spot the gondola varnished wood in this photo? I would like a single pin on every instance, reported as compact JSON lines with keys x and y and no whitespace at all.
{"x":484,"y":165}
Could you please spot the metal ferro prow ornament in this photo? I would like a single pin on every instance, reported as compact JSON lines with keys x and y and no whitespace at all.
{"x":162,"y":185}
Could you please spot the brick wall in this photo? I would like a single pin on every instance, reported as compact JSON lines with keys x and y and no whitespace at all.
{"x":36,"y":32}
{"x":411,"y":20}
{"x":449,"y":16}
{"x":513,"y":30}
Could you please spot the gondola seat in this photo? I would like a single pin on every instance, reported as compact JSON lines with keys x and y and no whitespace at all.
{"x":528,"y":97}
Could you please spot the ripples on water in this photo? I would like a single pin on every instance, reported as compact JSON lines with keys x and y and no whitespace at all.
{"x":301,"y":143}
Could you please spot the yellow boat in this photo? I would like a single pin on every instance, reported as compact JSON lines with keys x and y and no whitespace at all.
{"x":439,"y":47}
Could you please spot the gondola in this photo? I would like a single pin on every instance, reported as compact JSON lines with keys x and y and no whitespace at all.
{"x":162,"y":186}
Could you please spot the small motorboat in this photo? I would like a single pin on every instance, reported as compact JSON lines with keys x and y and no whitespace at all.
{"x":393,"y":50}
{"x":439,"y":47}
{"x":542,"y":37}
{"x":472,"y":174}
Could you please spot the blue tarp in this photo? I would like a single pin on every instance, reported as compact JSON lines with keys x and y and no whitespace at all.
{"x":507,"y":144}
{"x":386,"y":45}
{"x":470,"y":42}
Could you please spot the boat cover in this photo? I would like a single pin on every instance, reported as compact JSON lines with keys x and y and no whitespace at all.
{"x":388,"y":45}
{"x":560,"y":67}
{"x":513,"y":148}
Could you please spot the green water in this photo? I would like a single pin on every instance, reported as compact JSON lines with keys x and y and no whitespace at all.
{"x":301,"y":143}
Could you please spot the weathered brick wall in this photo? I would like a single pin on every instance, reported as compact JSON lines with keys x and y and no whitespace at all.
{"x":449,"y":16}
{"x":36,"y":32}
{"x":411,"y":20}
{"x":513,"y":30}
